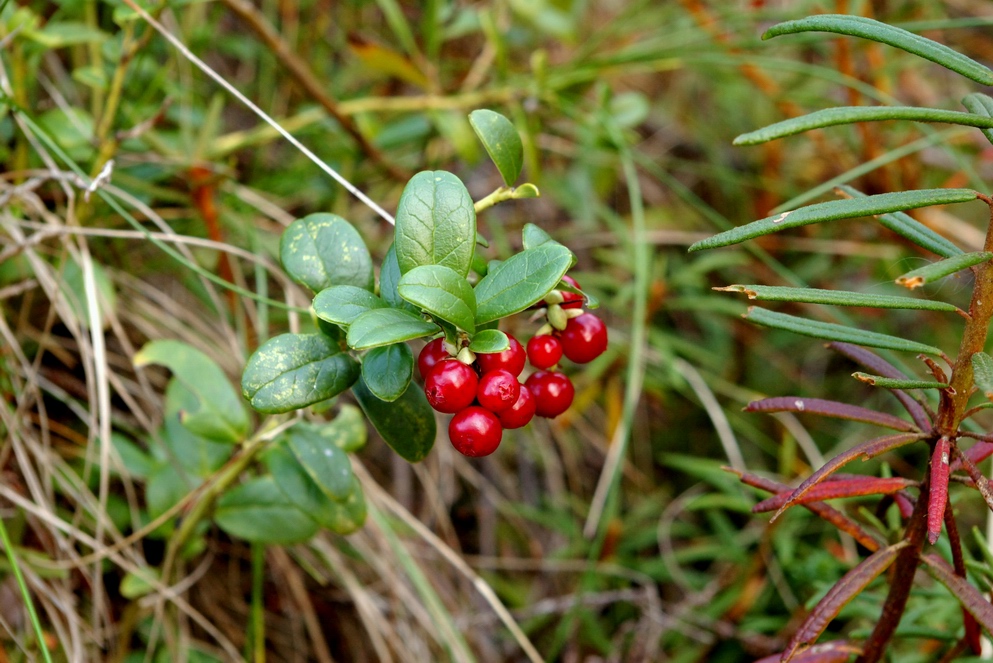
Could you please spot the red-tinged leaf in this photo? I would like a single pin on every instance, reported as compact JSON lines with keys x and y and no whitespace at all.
{"x":972,"y":632}
{"x":837,"y":651}
{"x":867,"y":450}
{"x":880,"y":366}
{"x":850,"y":586}
{"x":938,"y":488}
{"x":970,"y":597}
{"x":830,"y":490}
{"x":978,"y":478}
{"x":826,"y":408}
{"x":904,"y":503}
{"x":977,"y":453}
{"x":831,"y":515}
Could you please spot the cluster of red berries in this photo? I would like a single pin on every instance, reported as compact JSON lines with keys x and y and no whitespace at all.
{"x":483,"y":390}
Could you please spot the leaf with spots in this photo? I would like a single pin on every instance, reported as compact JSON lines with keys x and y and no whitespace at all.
{"x":326,"y":464}
{"x":322,"y":250}
{"x":435,"y":223}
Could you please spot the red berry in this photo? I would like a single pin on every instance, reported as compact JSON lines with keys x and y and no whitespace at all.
{"x":475,"y":432}
{"x":584,"y":338}
{"x":553,"y":393}
{"x":511,"y":359}
{"x":571,"y":299}
{"x":544,"y":351}
{"x":520,"y":413}
{"x":432,"y":353}
{"x":451,"y":386}
{"x":498,"y":390}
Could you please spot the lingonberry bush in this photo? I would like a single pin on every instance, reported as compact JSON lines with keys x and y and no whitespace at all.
{"x":962,"y":381}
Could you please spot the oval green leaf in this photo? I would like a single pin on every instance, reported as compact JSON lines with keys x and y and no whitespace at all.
{"x":387,"y":370}
{"x":347,"y":430}
{"x":867,"y":28}
{"x":534,"y":236}
{"x":443,"y":293}
{"x":194,"y":453}
{"x":502,"y":142}
{"x":407,"y":424}
{"x":834,"y":210}
{"x":489,"y":341}
{"x":389,"y":279}
{"x":258,"y":511}
{"x":326,"y":464}
{"x":982,"y":373}
{"x":939,"y":270}
{"x":341,"y":304}
{"x":291,"y":478}
{"x":775,"y":293}
{"x":385,"y":326}
{"x":435,"y":223}
{"x":292,"y":371}
{"x":219,"y":414}
{"x":322,"y":250}
{"x":520,"y":281}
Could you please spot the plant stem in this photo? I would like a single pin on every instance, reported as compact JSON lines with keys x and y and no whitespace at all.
{"x":25,"y":592}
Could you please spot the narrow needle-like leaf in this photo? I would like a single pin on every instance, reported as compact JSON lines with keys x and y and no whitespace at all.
{"x":941,"y":269}
{"x":938,"y":489}
{"x":826,"y":408}
{"x":775,"y":293}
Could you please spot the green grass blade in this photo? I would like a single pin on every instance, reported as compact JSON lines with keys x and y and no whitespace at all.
{"x":22,"y":587}
{"x":832,"y":332}
{"x":773,"y":293}
{"x":830,"y":117}
{"x":867,"y":28}
{"x":939,"y":270}
{"x":837,"y":209}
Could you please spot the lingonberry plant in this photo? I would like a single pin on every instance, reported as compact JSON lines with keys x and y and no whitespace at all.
{"x":955,"y":441}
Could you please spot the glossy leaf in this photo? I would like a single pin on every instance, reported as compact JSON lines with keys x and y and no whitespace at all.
{"x":258,"y":511}
{"x":322,"y":250}
{"x":387,"y":370}
{"x":910,"y":228}
{"x":407,"y":424}
{"x":982,"y":373}
{"x":941,"y":269}
{"x":867,"y":28}
{"x":435,"y":223}
{"x":489,"y":341}
{"x":441,"y":292}
{"x":327,"y":465}
{"x":520,"y":281}
{"x":389,"y":279}
{"x":970,"y":597}
{"x":833,"y":332}
{"x":890,"y":383}
{"x":837,"y":487}
{"x":843,"y":591}
{"x":978,"y":103}
{"x":830,"y":117}
{"x":837,"y":209}
{"x":938,"y":488}
{"x":341,"y":304}
{"x":385,"y":326}
{"x":827,"y":408}
{"x":219,"y":414}
{"x":534,"y":236}
{"x":502,"y":142}
{"x":772,"y":293}
{"x":291,"y":371}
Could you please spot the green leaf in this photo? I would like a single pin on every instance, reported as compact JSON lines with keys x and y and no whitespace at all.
{"x":867,"y":28}
{"x":387,"y":370}
{"x":830,"y":117}
{"x":139,"y":582}
{"x":502,"y":142}
{"x":893,"y":383}
{"x":219,"y":414}
{"x":910,"y":228}
{"x":982,"y":373}
{"x":389,"y":279}
{"x":258,"y":511}
{"x":435,"y":223}
{"x":322,"y":250}
{"x":770,"y":293}
{"x":441,"y":292}
{"x":534,"y":236}
{"x":520,"y":281}
{"x":833,"y":332}
{"x":941,"y":269}
{"x":524,"y":191}
{"x":407,"y":424}
{"x":347,"y":430}
{"x":164,"y":489}
{"x":834,"y":210}
{"x":384,"y":326}
{"x":327,"y":465}
{"x":292,"y":479}
{"x":589,"y":300}
{"x":341,"y":304}
{"x":292,"y":371}
{"x":196,"y":454}
{"x":489,"y":341}
{"x":978,"y":103}
{"x":59,"y":34}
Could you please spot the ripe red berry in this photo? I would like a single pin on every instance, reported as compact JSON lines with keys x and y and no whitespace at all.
{"x":584,"y":338}
{"x":520,"y":413}
{"x":498,"y":390}
{"x":544,"y":351}
{"x":512,"y":359}
{"x":475,"y":432}
{"x":450,"y":386}
{"x":553,"y":393}
{"x":571,"y":299}
{"x":431,"y":354}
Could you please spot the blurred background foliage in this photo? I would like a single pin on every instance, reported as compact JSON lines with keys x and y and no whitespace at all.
{"x":676,"y":567}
